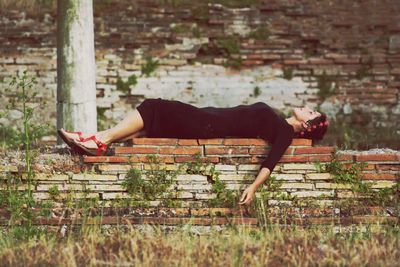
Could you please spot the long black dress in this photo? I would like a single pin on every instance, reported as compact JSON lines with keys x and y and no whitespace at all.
{"x":174,"y":119}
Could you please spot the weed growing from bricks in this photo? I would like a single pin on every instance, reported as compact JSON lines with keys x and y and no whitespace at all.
{"x":157,"y":184}
{"x":224,"y":197}
{"x":18,"y":195}
{"x":384,"y":197}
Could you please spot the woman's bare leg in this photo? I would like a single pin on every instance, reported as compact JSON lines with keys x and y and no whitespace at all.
{"x":131,"y":125}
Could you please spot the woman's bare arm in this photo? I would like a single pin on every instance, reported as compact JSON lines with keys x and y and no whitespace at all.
{"x":261,"y":178}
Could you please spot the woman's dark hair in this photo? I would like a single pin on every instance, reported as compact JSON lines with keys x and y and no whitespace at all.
{"x":316,"y":128}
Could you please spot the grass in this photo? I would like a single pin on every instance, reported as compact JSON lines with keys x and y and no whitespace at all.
{"x":241,"y":246}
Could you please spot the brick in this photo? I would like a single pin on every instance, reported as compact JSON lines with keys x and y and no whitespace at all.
{"x":378,"y":176}
{"x":349,"y":194}
{"x":194,"y":186}
{"x":387,"y":167}
{"x":77,"y":195}
{"x":95,"y":177}
{"x":314,"y":150}
{"x":313,"y":193}
{"x":6,"y":60}
{"x":235,"y":177}
{"x":19,"y":187}
{"x":157,"y":158}
{"x":114,"y":168}
{"x":205,"y":195}
{"x":274,"y":202}
{"x":294,"y":61}
{"x":102,"y":187}
{"x":180,"y":150}
{"x":8,"y":168}
{"x":192,"y":159}
{"x":248,"y":62}
{"x":248,"y":167}
{"x":289,"y":177}
{"x":332,"y":186}
{"x":136,"y":150}
{"x":296,"y":186}
{"x":298,"y":166}
{"x":111,"y":159}
{"x":61,"y":187}
{"x":320,"y":61}
{"x":377,"y":157}
{"x":115,"y":195}
{"x":191,"y":177}
{"x":294,"y":158}
{"x":211,"y":141}
{"x":154,"y":141}
{"x":239,"y":187}
{"x":265,"y":150}
{"x":212,"y":150}
{"x":244,"y":142}
{"x":184,"y":195}
{"x":224,"y":167}
{"x":212,"y":211}
{"x":383,"y":184}
{"x":347,"y":60}
{"x":345,"y":157}
{"x":162,"y":166}
{"x":318,"y":176}
{"x":51,"y":177}
{"x":301,"y":142}
{"x":188,"y":142}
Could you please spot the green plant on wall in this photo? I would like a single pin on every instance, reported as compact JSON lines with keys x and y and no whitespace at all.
{"x":124,"y":86}
{"x":364,"y":70}
{"x":18,"y":196}
{"x":149,"y":66}
{"x":223,"y":196}
{"x":256,"y":91}
{"x":156,"y":185}
{"x":350,"y":175}
{"x":287,"y":73}
{"x":326,"y":86}
{"x":260,"y":33}
{"x":24,"y":132}
{"x":271,"y":189}
{"x":231,"y":47}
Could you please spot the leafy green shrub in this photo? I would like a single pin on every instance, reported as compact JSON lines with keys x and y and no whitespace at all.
{"x":155,"y":186}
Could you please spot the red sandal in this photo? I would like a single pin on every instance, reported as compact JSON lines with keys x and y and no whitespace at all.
{"x":67,"y":140}
{"x":101,"y":147}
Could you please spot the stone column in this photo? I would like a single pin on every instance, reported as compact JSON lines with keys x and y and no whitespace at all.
{"x":76,"y":70}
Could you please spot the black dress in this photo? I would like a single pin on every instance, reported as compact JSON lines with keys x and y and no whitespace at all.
{"x":174,"y":119}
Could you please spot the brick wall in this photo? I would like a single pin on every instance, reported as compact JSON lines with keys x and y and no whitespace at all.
{"x":356,"y":44}
{"x":309,"y":192}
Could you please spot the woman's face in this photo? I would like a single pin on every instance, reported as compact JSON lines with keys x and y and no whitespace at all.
{"x":305,"y":113}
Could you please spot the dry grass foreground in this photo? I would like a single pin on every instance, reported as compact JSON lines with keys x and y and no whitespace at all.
{"x":371,"y":245}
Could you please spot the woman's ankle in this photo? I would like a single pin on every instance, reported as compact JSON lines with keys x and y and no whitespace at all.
{"x":105,"y":137}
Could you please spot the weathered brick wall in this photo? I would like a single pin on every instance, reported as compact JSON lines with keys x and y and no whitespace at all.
{"x":357,"y":44}
{"x":308,"y":191}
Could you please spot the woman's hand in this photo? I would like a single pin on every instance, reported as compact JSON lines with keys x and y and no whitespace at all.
{"x":248,"y":195}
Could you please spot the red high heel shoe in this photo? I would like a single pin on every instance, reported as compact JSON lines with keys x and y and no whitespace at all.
{"x":99,"y":151}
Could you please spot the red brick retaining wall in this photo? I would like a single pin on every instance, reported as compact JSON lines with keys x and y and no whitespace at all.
{"x":310,"y":195}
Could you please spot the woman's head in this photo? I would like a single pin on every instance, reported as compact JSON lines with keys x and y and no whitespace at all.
{"x":310,"y":124}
